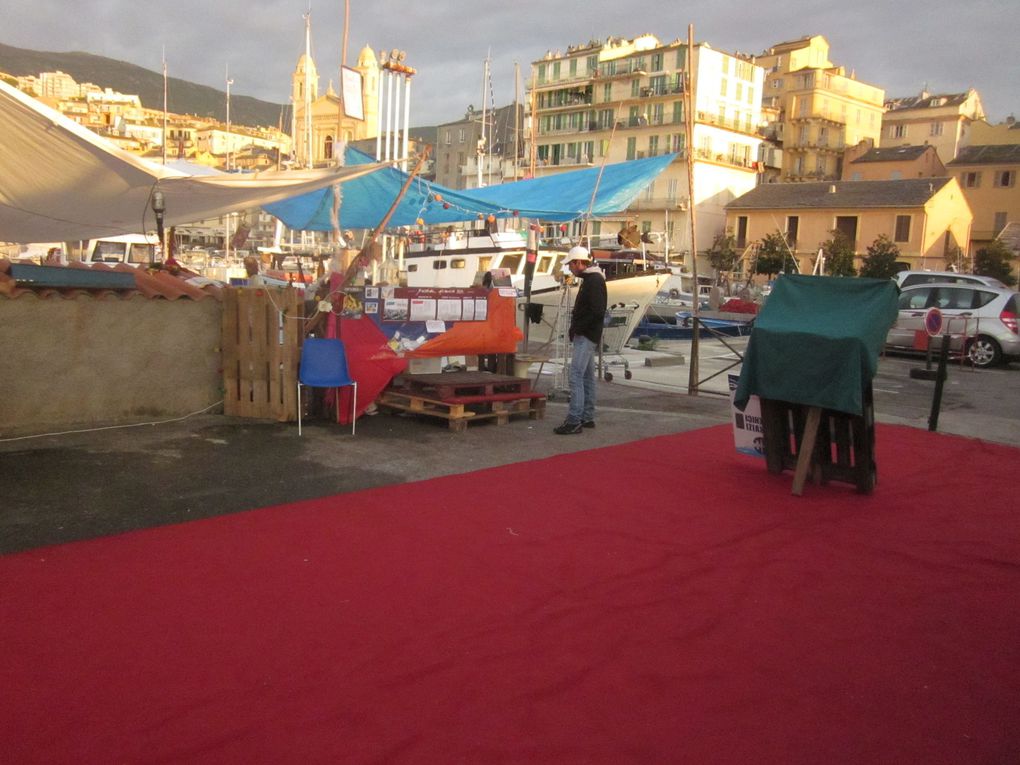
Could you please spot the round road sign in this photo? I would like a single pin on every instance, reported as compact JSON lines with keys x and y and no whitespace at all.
{"x":933,"y":322}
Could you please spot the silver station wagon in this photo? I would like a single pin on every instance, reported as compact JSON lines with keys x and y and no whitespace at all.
{"x":981,"y":320}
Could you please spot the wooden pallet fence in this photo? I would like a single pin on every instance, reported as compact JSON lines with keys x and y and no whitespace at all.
{"x":261,"y":351}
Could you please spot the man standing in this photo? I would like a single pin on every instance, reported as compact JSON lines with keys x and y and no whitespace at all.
{"x":586,"y":323}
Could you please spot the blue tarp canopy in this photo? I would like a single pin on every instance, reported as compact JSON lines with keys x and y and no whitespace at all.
{"x":561,"y":197}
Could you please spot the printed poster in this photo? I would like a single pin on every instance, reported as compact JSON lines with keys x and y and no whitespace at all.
{"x":748,"y":433}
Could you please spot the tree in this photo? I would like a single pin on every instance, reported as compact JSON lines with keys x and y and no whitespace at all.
{"x":839,"y":255}
{"x":996,"y":260}
{"x":722,"y":255}
{"x":774,"y":255}
{"x":880,"y":262}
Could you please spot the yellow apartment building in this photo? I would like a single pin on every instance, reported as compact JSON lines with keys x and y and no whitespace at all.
{"x":941,"y":120}
{"x":821,"y":109}
{"x":620,"y":99}
{"x":928,"y":218}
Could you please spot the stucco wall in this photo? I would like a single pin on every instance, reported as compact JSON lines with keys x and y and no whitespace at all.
{"x":76,"y":363}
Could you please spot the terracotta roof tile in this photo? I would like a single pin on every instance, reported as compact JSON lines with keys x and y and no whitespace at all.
{"x":151,"y":284}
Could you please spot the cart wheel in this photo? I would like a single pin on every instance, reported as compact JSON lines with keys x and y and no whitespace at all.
{"x":608,"y":376}
{"x":627,"y":375}
{"x":551,"y":395}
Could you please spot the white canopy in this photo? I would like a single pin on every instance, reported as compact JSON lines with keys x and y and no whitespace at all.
{"x":62,"y":182}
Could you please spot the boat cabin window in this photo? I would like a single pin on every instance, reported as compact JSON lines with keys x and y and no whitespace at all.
{"x":412,"y":267}
{"x":438,"y":265}
{"x":511,"y":262}
{"x":142,"y":253}
{"x":109,"y":252}
{"x":458,"y":263}
{"x":544,"y":265}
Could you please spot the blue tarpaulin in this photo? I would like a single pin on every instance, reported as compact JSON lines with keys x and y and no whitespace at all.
{"x":561,"y":197}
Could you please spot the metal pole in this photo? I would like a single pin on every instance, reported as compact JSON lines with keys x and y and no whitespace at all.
{"x":378,"y":118}
{"x":689,"y":102}
{"x":407,"y":120}
{"x":389,"y":112}
{"x":395,"y":135}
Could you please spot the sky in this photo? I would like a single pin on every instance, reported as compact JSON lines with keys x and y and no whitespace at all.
{"x":901,"y":47}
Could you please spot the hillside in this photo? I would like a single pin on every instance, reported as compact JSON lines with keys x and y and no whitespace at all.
{"x":182,"y":97}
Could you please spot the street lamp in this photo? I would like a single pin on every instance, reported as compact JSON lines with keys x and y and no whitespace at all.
{"x":158,"y":207}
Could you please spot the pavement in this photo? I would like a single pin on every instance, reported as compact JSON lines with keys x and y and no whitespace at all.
{"x":64,"y":487}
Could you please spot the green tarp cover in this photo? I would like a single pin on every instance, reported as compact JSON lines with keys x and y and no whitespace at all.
{"x":817,"y":340}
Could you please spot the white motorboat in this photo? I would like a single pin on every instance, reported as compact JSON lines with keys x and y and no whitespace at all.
{"x":463,"y":258}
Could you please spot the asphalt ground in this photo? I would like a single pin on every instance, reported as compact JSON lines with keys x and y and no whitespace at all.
{"x":64,"y":487}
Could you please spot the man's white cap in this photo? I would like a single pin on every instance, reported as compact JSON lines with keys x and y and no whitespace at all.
{"x":578,"y":253}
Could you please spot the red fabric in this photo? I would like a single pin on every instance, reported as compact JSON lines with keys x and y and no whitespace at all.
{"x":369,"y":359}
{"x":499,"y":333}
{"x":661,"y":601}
{"x":735,"y":305}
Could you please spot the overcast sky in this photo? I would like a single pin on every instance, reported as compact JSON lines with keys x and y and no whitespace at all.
{"x":900,"y":47}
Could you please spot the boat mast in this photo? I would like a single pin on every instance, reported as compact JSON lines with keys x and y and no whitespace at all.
{"x":517,"y":116}
{"x":481,"y":141}
{"x":164,"y":104}
{"x":308,"y":89}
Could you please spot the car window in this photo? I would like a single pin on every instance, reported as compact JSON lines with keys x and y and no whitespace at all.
{"x":956,"y":298}
{"x":913,"y":299}
{"x":983,"y":298}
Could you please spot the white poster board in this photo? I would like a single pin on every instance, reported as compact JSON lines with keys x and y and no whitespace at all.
{"x":351,"y":91}
{"x":748,"y":433}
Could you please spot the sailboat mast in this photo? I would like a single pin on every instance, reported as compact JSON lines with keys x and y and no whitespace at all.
{"x":164,"y":104}
{"x":481,"y":141}
{"x":308,"y":90}
{"x":517,"y":115}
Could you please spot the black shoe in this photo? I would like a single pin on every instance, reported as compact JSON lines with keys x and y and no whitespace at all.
{"x":568,"y":429}
{"x":588,"y":424}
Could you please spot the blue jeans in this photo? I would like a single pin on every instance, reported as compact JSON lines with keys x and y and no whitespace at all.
{"x":582,"y":381}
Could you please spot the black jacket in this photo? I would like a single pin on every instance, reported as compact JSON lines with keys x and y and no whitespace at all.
{"x":590,"y":306}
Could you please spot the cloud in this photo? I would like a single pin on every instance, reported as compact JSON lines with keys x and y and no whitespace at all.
{"x":898,"y":47}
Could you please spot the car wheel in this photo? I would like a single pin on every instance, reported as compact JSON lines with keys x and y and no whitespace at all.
{"x":984,"y":352}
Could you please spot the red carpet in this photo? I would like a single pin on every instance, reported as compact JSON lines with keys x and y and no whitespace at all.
{"x":661,"y":601}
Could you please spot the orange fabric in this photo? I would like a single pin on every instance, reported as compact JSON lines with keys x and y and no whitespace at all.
{"x":499,"y":333}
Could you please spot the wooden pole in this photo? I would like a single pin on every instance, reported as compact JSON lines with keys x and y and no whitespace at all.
{"x":364,"y":258}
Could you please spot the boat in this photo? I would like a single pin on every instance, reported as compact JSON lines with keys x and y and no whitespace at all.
{"x":462,"y":258}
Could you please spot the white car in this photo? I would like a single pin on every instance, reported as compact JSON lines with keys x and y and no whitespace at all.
{"x":980,"y":319}
{"x":913,"y":278}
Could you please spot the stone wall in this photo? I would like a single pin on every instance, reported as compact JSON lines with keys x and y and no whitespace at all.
{"x":88,"y":361}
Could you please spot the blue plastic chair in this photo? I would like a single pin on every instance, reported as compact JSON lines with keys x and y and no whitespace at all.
{"x":324,"y":365}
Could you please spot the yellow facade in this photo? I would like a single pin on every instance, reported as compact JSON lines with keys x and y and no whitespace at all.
{"x":929,"y":235}
{"x":988,"y":176}
{"x":322,"y":117}
{"x":822,"y":110}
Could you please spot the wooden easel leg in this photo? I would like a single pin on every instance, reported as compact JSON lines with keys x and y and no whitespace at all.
{"x":807,"y":448}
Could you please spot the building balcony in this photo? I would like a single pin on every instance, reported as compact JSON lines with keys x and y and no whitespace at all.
{"x":649,"y":92}
{"x":724,"y":159}
{"x":831,"y":117}
{"x":737,"y":126}
{"x":587,"y":127}
{"x":564,"y":162}
{"x":627,"y":70}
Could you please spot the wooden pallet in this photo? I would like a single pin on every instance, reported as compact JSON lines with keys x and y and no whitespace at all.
{"x":456,"y":411}
{"x":447,"y":385}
